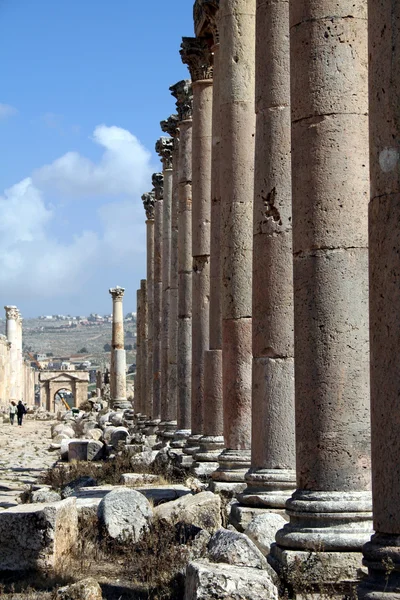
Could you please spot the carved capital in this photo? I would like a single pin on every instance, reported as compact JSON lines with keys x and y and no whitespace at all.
{"x":170,"y":125}
{"x":196,"y":54}
{"x":157,"y":179}
{"x":164,"y":149}
{"x":12,"y":312}
{"x":117,"y":293}
{"x":148,"y":200}
{"x":205,"y":16}
{"x":183,"y":93}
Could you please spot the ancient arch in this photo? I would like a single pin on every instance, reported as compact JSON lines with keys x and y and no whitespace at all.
{"x":52,"y":381}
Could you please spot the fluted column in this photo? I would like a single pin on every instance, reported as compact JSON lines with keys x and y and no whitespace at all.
{"x":148,"y":203}
{"x":182,"y":91}
{"x":118,"y":367}
{"x":237,"y":56}
{"x":157,"y":181}
{"x":12,"y":333}
{"x":382,"y":553}
{"x":272,"y":478}
{"x":164,"y":148}
{"x":331,"y":507}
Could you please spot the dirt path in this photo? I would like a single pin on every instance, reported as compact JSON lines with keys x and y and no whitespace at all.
{"x":24,"y":455}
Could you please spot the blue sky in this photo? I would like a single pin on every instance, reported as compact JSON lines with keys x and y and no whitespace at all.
{"x":84,"y":85}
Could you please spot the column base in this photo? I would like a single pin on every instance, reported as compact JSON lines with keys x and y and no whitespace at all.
{"x":233,"y":466}
{"x":206,"y":458}
{"x":192,"y":444}
{"x":169,"y":430}
{"x":120,"y":404}
{"x":382,"y":557}
{"x":268,"y":488}
{"x":241,"y":516}
{"x":179,"y":440}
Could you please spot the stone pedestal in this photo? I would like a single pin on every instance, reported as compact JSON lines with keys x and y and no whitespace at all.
{"x":237,"y":39}
{"x":118,"y":366}
{"x":182,"y":91}
{"x":331,"y":508}
{"x":157,"y":181}
{"x":382,"y":553}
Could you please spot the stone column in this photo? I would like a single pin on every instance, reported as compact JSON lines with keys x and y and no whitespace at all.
{"x":148,"y":203}
{"x":118,"y":368}
{"x":157,"y":181}
{"x":164,"y":148}
{"x":331,"y":508}
{"x":170,"y":126}
{"x":212,"y":442}
{"x":12,"y":333}
{"x":272,"y":478}
{"x":20,"y":361}
{"x":196,"y":53}
{"x":144,"y":342}
{"x":182,"y":91}
{"x":138,"y":377}
{"x":99,"y":384}
{"x":382,"y":553}
{"x":237,"y":56}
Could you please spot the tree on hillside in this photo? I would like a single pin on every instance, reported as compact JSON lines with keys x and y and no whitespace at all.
{"x":107,"y":348}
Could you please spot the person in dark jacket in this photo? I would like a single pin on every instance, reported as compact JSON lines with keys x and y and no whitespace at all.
{"x":21,"y":410}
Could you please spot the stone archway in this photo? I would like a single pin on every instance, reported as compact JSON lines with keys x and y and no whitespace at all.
{"x":52,"y":381}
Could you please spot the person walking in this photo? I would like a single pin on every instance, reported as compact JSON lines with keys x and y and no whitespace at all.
{"x":13,"y":410}
{"x":21,"y":410}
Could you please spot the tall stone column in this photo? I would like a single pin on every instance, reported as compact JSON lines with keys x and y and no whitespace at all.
{"x":331,"y":508}
{"x":144,"y":341}
{"x":20,"y":361}
{"x":99,"y":384}
{"x":138,"y":402}
{"x":157,"y":180}
{"x":118,"y":368}
{"x":148,"y":203}
{"x":236,"y":56}
{"x":212,"y":442}
{"x":182,"y":91}
{"x":12,"y":333}
{"x":382,"y":553}
{"x":170,"y":126}
{"x":272,"y":478}
{"x":164,"y":148}
{"x":196,"y":53}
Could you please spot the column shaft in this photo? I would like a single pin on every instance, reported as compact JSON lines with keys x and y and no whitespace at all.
{"x":166,"y":265}
{"x":118,"y":366}
{"x":138,"y":377}
{"x":157,"y":306}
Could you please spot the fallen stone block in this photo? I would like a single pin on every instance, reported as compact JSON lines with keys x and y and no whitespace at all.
{"x":95,"y":450}
{"x":208,"y":581}
{"x":124,"y":514}
{"x":235,"y":548}
{"x":78,"y":450}
{"x":138,"y":478}
{"x":262,"y":529}
{"x":81,"y":482}
{"x":164,"y":493}
{"x":37,"y":536}
{"x":202,"y":510}
{"x":119,"y":436}
{"x":86,"y":589}
{"x":45,"y":495}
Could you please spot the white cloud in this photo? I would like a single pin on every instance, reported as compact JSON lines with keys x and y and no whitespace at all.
{"x":124,"y":168}
{"x":7,"y":111}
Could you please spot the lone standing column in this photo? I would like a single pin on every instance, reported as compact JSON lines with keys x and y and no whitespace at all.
{"x":19,"y":360}
{"x":118,"y":373}
{"x":237,"y":56}
{"x":12,"y":317}
{"x":196,"y":53}
{"x":164,"y":147}
{"x":382,"y":553}
{"x":182,"y":91}
{"x":158,"y":182}
{"x":331,"y":508}
{"x":148,"y":203}
{"x":272,"y":478}
{"x":170,"y":126}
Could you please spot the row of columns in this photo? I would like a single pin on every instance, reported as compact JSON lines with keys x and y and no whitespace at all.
{"x":270,"y":183}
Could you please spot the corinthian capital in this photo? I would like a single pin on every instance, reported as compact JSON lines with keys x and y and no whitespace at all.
{"x":182,"y":91}
{"x":196,"y":54}
{"x":117,"y":293}
{"x":12,"y":312}
{"x":205,"y":16}
{"x":148,"y":200}
{"x":157,"y":179}
{"x":164,"y":149}
{"x":170,"y":125}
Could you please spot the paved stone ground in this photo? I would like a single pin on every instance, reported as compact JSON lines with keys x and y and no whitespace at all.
{"x":24,"y":455}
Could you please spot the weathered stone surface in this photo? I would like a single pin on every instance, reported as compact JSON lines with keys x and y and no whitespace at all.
{"x":159,"y":494}
{"x":119,"y":436}
{"x":95,"y":434}
{"x":262,"y":529}
{"x":77,"y":450}
{"x":133,"y":479}
{"x":95,"y":450}
{"x":125,"y":514}
{"x":86,"y":589}
{"x":203,"y":510}
{"x":45,"y":495}
{"x":235,"y":548}
{"x":143,"y":458}
{"x":37,"y":536}
{"x":210,"y":581}
{"x":72,"y":487}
